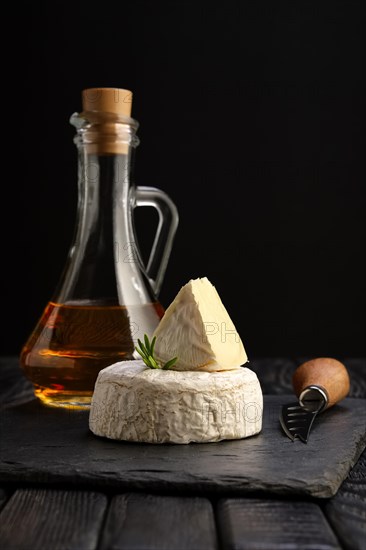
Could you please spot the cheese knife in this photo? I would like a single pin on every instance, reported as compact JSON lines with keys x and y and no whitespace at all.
{"x":319,"y":384}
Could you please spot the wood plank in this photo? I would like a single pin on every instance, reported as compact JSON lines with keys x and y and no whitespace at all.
{"x":40,"y":519}
{"x":142,"y":521}
{"x":275,"y":374}
{"x":346,"y":512}
{"x":357,"y":371}
{"x":253,"y":524}
{"x":55,"y":446}
{"x":3,"y":497}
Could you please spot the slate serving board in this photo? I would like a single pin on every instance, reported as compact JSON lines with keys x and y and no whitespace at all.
{"x":45,"y":445}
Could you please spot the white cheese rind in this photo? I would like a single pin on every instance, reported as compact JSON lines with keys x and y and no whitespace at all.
{"x":198,"y":330}
{"x":134,"y":403}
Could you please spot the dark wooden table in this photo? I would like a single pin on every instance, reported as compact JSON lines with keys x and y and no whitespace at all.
{"x":48,"y":516}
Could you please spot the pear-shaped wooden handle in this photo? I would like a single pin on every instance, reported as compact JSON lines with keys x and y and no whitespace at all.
{"x":331,"y":375}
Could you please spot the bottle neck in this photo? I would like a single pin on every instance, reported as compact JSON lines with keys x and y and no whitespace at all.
{"x":106,"y":146}
{"x":104,"y":258}
{"x":104,"y":195}
{"x":103,"y":179}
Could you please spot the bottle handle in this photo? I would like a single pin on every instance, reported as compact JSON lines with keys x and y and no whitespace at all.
{"x":167,"y":226}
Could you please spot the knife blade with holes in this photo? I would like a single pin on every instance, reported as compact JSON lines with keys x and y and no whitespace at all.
{"x":319,"y":384}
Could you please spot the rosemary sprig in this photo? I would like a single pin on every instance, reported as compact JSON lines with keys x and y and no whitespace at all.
{"x":146,"y":350}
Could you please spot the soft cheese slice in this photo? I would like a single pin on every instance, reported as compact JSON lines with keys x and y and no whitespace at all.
{"x":132,"y":402}
{"x":197,"y":329}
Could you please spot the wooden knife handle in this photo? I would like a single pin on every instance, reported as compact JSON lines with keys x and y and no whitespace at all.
{"x":330,"y":374}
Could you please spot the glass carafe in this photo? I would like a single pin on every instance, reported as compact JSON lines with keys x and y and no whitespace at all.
{"x":106,"y":298}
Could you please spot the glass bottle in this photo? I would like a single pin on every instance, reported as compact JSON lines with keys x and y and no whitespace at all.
{"x":106,"y":298}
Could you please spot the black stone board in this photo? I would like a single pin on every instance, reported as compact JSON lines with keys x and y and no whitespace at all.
{"x":46,"y":445}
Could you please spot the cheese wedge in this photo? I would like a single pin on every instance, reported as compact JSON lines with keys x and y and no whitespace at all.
{"x":132,"y":402}
{"x":197,"y":329}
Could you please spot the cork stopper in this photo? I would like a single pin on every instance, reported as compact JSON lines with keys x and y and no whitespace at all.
{"x":108,"y":136}
{"x":108,"y":100}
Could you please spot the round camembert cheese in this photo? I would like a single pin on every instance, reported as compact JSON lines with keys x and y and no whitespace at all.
{"x":132,"y":402}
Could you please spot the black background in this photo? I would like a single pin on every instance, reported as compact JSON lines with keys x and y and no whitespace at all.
{"x":251,"y":119}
